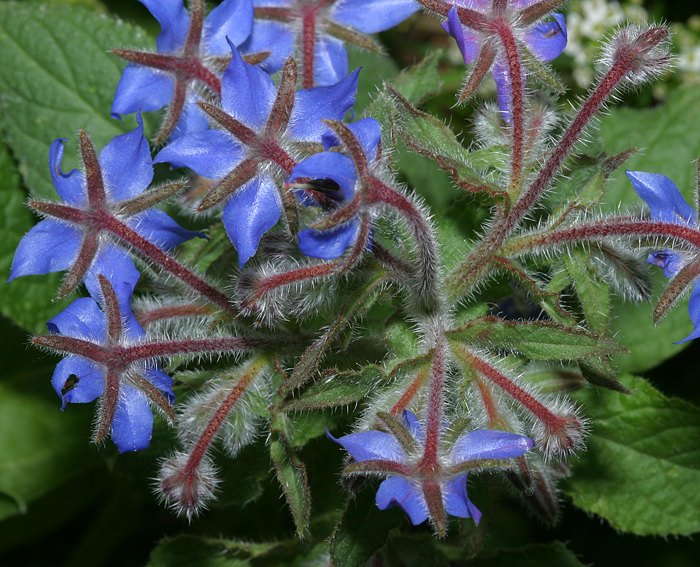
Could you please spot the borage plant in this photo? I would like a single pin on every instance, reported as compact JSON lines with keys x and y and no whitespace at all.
{"x":314,"y":280}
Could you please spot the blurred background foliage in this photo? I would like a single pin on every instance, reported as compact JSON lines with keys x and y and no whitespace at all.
{"x":66,"y":502}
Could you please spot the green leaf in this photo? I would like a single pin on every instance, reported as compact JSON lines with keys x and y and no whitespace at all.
{"x":362,"y":531}
{"x":195,"y":551}
{"x":57,"y":76}
{"x":592,"y":292}
{"x":536,"y":555}
{"x":642,"y":469}
{"x":537,"y":340}
{"x":41,"y":448}
{"x":29,"y":301}
{"x":376,"y":68}
{"x":421,"y":81}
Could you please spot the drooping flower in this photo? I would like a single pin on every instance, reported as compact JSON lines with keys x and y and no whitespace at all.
{"x":262,"y":127}
{"x":483,"y":47}
{"x":415,"y":488}
{"x":191,"y":53}
{"x":100,"y":206}
{"x":101,"y":326}
{"x":321,"y":28}
{"x":328,"y":180}
{"x":668,"y":205}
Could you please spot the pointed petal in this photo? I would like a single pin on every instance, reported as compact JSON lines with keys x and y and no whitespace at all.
{"x":193,"y":120}
{"x":132,"y":426}
{"x":668,"y":260}
{"x":250,"y":212}
{"x":161,"y":381}
{"x":232,"y":19}
{"x":89,"y":383}
{"x":456,"y":501}
{"x":273,"y":37}
{"x":247,"y":92}
{"x":50,"y":246}
{"x":142,"y":90}
{"x":127,"y":168}
{"x":211,"y":153}
{"x":69,"y":186}
{"x":82,"y":319}
{"x":327,"y":244}
{"x":663,"y":198}
{"x":397,"y":491}
{"x":372,"y":16}
{"x":547,"y":40}
{"x":368,"y":132}
{"x":694,"y":312}
{"x":330,"y":61}
{"x":467,"y":40}
{"x":157,"y":227}
{"x":503,"y":90}
{"x":371,"y":445}
{"x":489,"y":444}
{"x":311,"y":106}
{"x":414,"y":426}
{"x":174,"y":22}
{"x":328,"y":165}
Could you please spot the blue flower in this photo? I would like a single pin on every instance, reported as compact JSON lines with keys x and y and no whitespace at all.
{"x":126,"y":415}
{"x":668,"y":205}
{"x":252,"y":153}
{"x":546,"y":40}
{"x":313,"y":173}
{"x":73,"y":237}
{"x":282,"y":25}
{"x":190,"y":48}
{"x":406,"y":486}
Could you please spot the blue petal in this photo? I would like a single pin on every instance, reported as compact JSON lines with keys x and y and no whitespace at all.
{"x":670,"y":261}
{"x":414,"y":425}
{"x":397,"y":491}
{"x":127,"y":168}
{"x":81,"y":319}
{"x":193,"y":119}
{"x":371,"y":445}
{"x":211,"y":153}
{"x":457,"y":503}
{"x":232,"y":19}
{"x":694,"y":312}
{"x":311,"y":106}
{"x":467,"y":41}
{"x":69,"y":186}
{"x":489,"y":444}
{"x":50,"y":246}
{"x":161,"y":381}
{"x":328,"y":165}
{"x":132,"y":426}
{"x":158,"y":228}
{"x":368,"y":132}
{"x":663,"y":198}
{"x":250,"y":212}
{"x":142,"y":89}
{"x":174,"y":22}
{"x":327,"y":244}
{"x":273,"y":37}
{"x":330,"y":61}
{"x":372,"y":16}
{"x":90,"y":383}
{"x":503,"y":90}
{"x":547,"y":40}
{"x":247,"y":92}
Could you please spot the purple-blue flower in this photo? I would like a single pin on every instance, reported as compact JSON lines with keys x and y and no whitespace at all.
{"x":545,"y":40}
{"x":312,"y":176}
{"x":668,"y":205}
{"x":78,"y":379}
{"x":73,"y":237}
{"x":282,"y":25}
{"x":190,"y":49}
{"x":252,"y":154}
{"x":406,"y":488}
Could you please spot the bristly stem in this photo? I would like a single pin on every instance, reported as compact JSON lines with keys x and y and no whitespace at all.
{"x":436,"y":402}
{"x":308,"y":46}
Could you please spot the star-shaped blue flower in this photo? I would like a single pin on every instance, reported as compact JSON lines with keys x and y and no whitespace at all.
{"x":668,"y":205}
{"x":340,"y":170}
{"x":406,"y":486}
{"x":252,"y":154}
{"x":107,"y":321}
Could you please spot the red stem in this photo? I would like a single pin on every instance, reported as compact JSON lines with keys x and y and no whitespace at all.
{"x":308,"y":46}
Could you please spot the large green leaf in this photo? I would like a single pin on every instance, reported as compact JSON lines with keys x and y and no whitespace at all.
{"x":642,"y":468}
{"x":194,"y":551}
{"x":57,"y":76}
